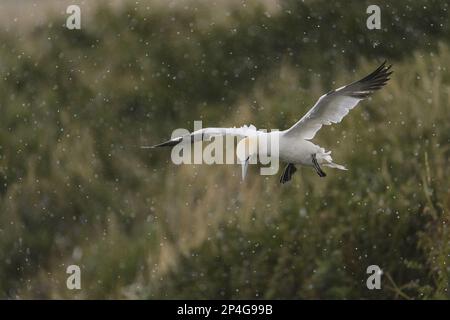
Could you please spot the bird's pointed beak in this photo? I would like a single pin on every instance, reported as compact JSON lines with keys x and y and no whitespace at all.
{"x":169,"y":143}
{"x":245,"y":167}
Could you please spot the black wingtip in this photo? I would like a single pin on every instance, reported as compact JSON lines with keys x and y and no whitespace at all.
{"x":373,"y":81}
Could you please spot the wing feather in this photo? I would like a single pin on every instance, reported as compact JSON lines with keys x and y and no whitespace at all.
{"x":206,"y":134}
{"x":335,"y":105}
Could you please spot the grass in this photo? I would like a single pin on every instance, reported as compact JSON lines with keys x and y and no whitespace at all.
{"x":76,"y":189}
{"x":315,"y":237}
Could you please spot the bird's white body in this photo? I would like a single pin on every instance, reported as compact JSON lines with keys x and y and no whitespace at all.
{"x":298,"y":151}
{"x":293,"y":150}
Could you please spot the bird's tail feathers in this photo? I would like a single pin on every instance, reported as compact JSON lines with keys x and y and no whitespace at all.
{"x":328,"y":161}
{"x":335,"y":165}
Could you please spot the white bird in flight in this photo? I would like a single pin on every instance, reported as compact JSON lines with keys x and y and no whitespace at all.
{"x":295,"y":147}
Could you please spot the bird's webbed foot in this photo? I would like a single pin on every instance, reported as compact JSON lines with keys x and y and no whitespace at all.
{"x":317,"y":167}
{"x":288,"y":173}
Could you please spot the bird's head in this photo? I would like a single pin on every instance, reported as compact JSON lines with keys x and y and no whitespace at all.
{"x":246,"y":149}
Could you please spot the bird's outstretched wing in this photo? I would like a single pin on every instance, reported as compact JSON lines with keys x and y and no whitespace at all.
{"x":333,"y":106}
{"x":206,"y":134}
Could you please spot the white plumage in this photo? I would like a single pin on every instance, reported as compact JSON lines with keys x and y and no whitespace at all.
{"x":294,"y":145}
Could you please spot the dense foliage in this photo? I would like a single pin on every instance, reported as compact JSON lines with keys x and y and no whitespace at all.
{"x":75,"y":188}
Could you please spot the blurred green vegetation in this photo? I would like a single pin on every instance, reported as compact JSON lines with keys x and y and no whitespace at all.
{"x":76,"y":189}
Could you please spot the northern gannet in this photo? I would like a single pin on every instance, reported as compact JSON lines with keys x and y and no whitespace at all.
{"x":295,"y":147}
